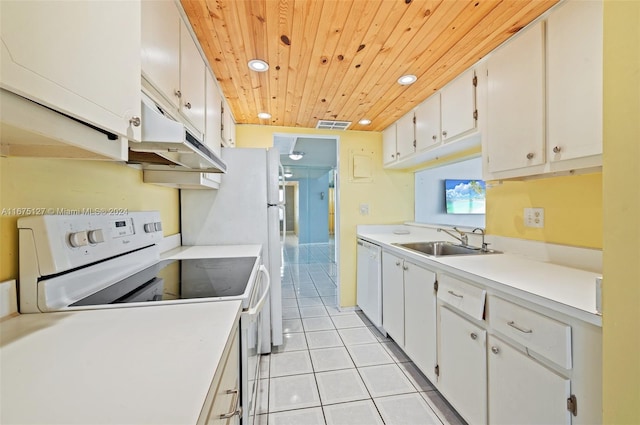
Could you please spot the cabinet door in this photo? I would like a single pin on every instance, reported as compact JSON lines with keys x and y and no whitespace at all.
{"x":161,"y":47}
{"x":393,"y":297}
{"x":428,"y":123}
{"x":192,"y":80}
{"x":458,"y":106}
{"x":212,"y":122}
{"x":405,"y":136}
{"x":420,"y":318}
{"x":227,"y":394}
{"x":515,"y":103}
{"x":228,"y":126}
{"x":73,"y":58}
{"x":463,"y":366}
{"x":522,"y":391}
{"x":574,"y":80}
{"x":389,"y":150}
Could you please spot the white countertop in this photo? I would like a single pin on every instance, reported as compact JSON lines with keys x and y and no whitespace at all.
{"x":141,"y":365}
{"x":565,"y":289}
{"x":213,"y":251}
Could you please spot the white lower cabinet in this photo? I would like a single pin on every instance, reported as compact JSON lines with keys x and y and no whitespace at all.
{"x":409,"y":310}
{"x":522,"y":391}
{"x":463,"y":366}
{"x":393,"y":297}
{"x":224,"y":409}
{"x":498,"y":359}
{"x":420,"y":318}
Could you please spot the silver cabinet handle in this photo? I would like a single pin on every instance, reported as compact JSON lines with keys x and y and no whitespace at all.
{"x":397,"y":263}
{"x":474,"y":335}
{"x":398,"y":154}
{"x":495,"y":350}
{"x":530,"y":155}
{"x":135,"y":121}
{"x":444,"y":133}
{"x":360,"y":243}
{"x":455,"y":295}
{"x":178,"y":94}
{"x":405,"y":267}
{"x":237,"y":411}
{"x":393,"y":156}
{"x":187,"y":105}
{"x":557,"y":149}
{"x":523,"y":330}
{"x":434,"y":137}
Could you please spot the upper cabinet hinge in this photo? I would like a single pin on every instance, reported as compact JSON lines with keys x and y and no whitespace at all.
{"x":572,"y":405}
{"x":475,"y":114}
{"x":437,"y":370}
{"x":475,"y":81}
{"x":435,"y":285}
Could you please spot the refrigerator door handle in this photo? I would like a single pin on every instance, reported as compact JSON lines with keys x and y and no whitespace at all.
{"x":282,"y":181}
{"x":284,"y":223}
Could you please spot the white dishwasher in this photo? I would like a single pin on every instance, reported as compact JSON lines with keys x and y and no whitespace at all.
{"x":369,"y":281}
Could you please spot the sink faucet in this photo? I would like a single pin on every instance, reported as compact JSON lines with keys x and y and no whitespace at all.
{"x":463,"y":238}
{"x":482,"y":232}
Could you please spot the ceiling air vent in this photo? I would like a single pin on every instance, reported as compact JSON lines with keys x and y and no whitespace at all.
{"x":333,"y":125}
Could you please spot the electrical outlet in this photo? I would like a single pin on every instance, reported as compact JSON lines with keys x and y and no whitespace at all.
{"x":364,"y":209}
{"x":534,"y":217}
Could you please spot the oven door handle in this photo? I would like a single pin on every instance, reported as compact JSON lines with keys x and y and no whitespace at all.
{"x":254,"y":310}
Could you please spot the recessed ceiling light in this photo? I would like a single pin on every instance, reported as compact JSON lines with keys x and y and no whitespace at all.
{"x":288,"y":174}
{"x":264,"y":115}
{"x":405,"y":80}
{"x":258,"y":65}
{"x":295,"y":155}
{"x":364,"y":121}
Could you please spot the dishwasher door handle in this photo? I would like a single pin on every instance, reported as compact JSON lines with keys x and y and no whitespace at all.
{"x":254,"y":310}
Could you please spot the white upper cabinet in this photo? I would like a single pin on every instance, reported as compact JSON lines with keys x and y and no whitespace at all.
{"x":544,"y":96}
{"x":405,"y":136}
{"x":444,"y":124}
{"x":389,"y":144}
{"x":574,"y":80}
{"x":78,"y":58}
{"x":428,"y":123}
{"x":171,"y":61}
{"x":161,"y":47}
{"x":192,"y":70}
{"x":515,"y":103}
{"x":228,"y":126}
{"x":458,"y":104}
{"x":213,"y":125}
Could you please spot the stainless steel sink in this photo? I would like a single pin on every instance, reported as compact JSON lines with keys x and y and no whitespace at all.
{"x":443,"y":248}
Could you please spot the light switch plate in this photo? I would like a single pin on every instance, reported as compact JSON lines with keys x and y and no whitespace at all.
{"x":364,"y":209}
{"x":534,"y":217}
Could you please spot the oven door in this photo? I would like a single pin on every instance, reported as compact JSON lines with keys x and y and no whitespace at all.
{"x":250,"y":322}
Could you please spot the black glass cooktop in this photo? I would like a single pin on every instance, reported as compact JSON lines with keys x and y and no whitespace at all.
{"x":179,"y":279}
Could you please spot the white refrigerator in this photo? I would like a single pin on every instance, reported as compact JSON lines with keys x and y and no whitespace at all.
{"x":246,"y":209}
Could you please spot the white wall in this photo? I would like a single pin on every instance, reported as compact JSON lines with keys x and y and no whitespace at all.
{"x":429,"y":196}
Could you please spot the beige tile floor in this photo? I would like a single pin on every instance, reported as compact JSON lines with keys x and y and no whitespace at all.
{"x":335,"y":367}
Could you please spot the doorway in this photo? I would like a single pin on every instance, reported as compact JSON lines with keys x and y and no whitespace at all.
{"x":311,"y":191}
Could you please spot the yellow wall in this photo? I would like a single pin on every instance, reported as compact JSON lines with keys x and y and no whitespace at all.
{"x":572,"y":209}
{"x":621,"y":293}
{"x":389,"y":195}
{"x":73,"y":184}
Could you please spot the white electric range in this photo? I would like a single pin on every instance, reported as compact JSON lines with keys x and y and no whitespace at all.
{"x":74,"y":262}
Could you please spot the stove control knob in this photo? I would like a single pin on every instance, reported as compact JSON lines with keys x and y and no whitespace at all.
{"x":96,"y":236}
{"x":78,"y":239}
{"x":149,"y":228}
{"x":158,"y":226}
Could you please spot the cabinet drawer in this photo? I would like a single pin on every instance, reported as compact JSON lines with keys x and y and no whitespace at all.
{"x":538,"y":333}
{"x":465,"y":297}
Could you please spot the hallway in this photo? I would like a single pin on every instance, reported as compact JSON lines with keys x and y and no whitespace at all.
{"x":334,"y":366}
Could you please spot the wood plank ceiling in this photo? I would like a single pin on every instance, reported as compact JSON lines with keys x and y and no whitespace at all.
{"x":340,"y":59}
